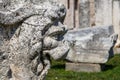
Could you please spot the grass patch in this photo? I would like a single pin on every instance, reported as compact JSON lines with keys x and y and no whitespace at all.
{"x":112,"y":72}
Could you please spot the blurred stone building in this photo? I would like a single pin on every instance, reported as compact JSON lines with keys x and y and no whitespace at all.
{"x":80,"y":13}
{"x":89,"y":13}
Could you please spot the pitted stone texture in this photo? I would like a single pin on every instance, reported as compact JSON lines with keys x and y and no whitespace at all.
{"x":91,"y":45}
{"x":29,"y":31}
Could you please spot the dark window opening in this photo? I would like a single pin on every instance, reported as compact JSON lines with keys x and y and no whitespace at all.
{"x":76,"y":4}
{"x":68,"y":4}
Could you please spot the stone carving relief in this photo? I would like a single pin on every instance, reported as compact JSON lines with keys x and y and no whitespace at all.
{"x":29,"y":31}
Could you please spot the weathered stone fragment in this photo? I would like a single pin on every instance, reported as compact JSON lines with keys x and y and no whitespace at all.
{"x":91,"y":45}
{"x":29,"y":31}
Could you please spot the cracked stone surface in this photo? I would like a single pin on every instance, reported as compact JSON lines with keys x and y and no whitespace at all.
{"x":91,"y":45}
{"x":29,"y":31}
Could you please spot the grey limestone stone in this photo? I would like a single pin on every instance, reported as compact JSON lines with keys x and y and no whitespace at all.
{"x":29,"y":31}
{"x":91,"y":45}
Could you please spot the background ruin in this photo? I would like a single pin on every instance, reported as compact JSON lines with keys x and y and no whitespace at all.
{"x":89,"y":13}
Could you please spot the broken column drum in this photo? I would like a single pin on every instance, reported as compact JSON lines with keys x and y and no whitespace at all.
{"x":28,"y":36}
{"x":91,"y":45}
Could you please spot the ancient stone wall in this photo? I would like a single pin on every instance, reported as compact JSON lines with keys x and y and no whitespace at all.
{"x":72,"y":16}
{"x":94,"y":13}
{"x":106,"y":13}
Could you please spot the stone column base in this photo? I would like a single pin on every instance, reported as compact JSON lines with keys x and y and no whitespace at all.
{"x":84,"y":67}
